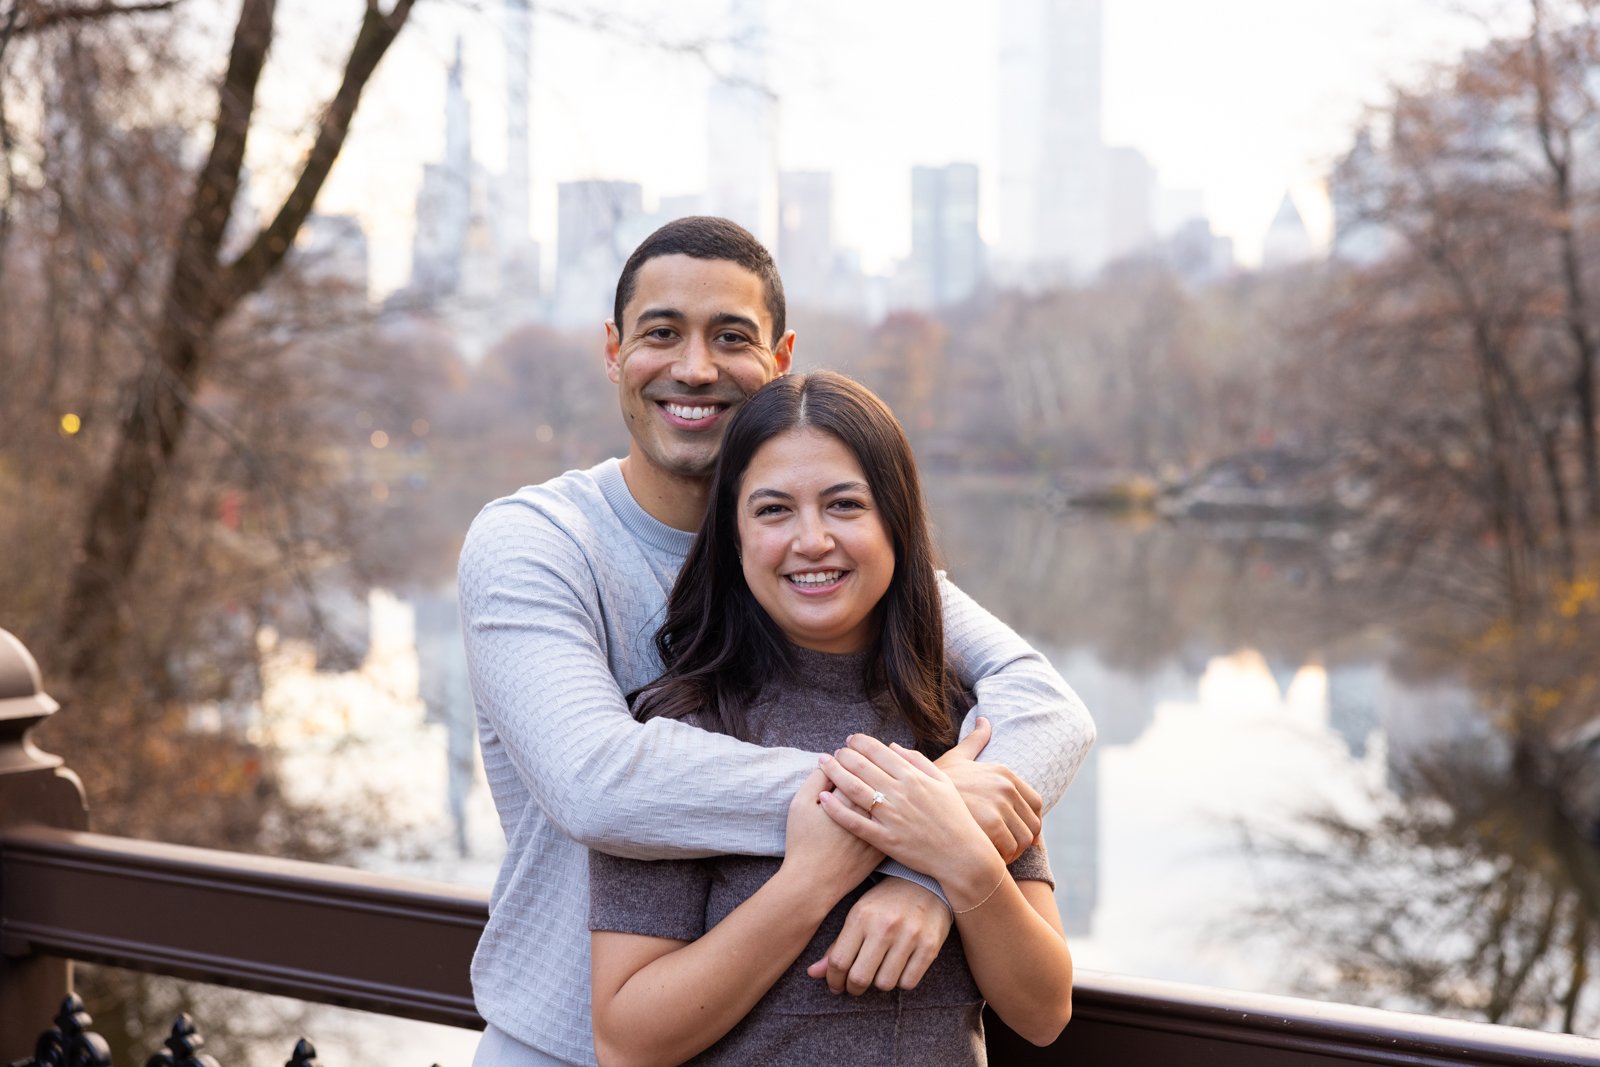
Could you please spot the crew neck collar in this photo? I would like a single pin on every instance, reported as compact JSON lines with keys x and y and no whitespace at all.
{"x":639,"y":522}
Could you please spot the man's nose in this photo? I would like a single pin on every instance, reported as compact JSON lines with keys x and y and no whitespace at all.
{"x":695,"y":365}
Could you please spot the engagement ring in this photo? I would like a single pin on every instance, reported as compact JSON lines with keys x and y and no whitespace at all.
{"x":877,"y":798}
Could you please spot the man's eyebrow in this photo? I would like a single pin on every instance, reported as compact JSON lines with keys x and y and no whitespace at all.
{"x":671,"y":314}
{"x":728,"y":318}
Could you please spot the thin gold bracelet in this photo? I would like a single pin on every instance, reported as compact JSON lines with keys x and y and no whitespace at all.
{"x":985,"y":900}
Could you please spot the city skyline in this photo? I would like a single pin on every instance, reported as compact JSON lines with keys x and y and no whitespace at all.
{"x":609,"y":105}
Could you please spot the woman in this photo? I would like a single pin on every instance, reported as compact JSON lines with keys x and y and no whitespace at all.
{"x":808,"y":615}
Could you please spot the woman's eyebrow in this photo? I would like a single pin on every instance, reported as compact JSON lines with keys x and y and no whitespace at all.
{"x":847,"y":487}
{"x":767,"y":494}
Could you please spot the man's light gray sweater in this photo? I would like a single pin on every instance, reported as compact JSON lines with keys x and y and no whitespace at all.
{"x":562,"y":588}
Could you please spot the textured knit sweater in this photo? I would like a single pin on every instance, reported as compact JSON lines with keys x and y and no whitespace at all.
{"x":798,"y":1022}
{"x":562,"y":587}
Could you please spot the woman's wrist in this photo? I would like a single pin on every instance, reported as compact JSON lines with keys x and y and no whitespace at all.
{"x":809,"y":890}
{"x":969,"y":885}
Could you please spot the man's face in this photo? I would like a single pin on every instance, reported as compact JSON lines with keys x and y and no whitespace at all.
{"x":694,"y":343}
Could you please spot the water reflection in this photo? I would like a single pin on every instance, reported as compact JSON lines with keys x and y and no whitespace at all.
{"x":1294,"y":790}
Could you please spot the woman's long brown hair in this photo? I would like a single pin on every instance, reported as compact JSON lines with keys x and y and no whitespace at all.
{"x":719,"y":647}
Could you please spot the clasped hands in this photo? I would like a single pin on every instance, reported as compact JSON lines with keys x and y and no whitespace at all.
{"x":895,"y":930}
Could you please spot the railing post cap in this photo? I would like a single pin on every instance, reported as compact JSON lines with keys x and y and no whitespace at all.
{"x":22,"y":693}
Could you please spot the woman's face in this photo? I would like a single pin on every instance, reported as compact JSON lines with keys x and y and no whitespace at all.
{"x":816,"y":553}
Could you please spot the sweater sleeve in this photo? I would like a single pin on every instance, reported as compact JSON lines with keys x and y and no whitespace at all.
{"x":537,"y":664}
{"x":1042,"y":731}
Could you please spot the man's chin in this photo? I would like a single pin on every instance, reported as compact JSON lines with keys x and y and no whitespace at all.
{"x":698,"y":466}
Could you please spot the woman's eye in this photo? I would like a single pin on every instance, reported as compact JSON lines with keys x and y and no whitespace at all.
{"x":768,"y":509}
{"x":849,"y":505}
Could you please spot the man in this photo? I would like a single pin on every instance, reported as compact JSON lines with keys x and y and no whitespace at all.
{"x":562,"y":588}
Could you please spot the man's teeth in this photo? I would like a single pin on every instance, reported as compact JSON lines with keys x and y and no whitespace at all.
{"x":818,"y":578}
{"x":693,"y":413}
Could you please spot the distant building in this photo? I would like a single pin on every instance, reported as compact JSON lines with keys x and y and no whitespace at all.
{"x":597,"y":227}
{"x":946,"y":249}
{"x":1358,"y":238}
{"x":742,"y":163}
{"x":805,"y":236}
{"x":444,"y":202}
{"x":1053,"y":169}
{"x":1196,"y":254}
{"x":1288,"y":241}
{"x":331,"y":256}
{"x":473,"y":266}
{"x":1174,"y":209}
{"x":1130,"y":202}
{"x":512,"y":208}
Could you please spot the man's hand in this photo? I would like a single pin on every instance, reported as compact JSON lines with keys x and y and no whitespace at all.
{"x":890,"y":938}
{"x":1006,"y":807}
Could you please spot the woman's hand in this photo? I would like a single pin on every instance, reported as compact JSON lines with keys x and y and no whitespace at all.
{"x":921,"y":819}
{"x":817,"y":848}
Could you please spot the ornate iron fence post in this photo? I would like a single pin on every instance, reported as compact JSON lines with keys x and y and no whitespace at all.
{"x":35,"y":788}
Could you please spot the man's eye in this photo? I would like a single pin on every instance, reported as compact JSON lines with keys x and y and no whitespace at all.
{"x":732,"y":339}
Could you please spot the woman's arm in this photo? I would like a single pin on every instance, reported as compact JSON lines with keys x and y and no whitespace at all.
{"x":658,"y":1000}
{"x":1011,"y":930}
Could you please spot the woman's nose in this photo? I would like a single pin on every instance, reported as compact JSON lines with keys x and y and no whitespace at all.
{"x":812,"y":538}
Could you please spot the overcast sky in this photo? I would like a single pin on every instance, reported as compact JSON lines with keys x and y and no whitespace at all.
{"x":1241,"y":99}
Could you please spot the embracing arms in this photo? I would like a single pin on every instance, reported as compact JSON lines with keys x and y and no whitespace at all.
{"x":1011,"y":930}
{"x":662,"y":999}
{"x":537,"y":655}
{"x":532,"y":620}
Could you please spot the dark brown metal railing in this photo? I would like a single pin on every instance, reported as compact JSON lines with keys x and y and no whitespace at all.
{"x":396,"y":946}
{"x":402,"y":946}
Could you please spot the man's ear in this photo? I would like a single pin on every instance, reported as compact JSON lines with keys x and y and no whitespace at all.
{"x":783,"y":353}
{"x":613,"y":351}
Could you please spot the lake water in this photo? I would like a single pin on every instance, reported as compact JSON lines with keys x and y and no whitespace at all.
{"x":1249,"y":818}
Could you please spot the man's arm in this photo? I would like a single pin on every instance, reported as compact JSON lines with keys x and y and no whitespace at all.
{"x":535,"y":655}
{"x":1042,"y":731}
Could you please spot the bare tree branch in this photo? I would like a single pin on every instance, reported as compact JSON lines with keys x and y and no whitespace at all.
{"x":33,"y":18}
{"x":377,"y":32}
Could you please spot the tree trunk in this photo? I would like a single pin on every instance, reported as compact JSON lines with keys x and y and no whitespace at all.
{"x":96,"y":610}
{"x":1555,"y":141}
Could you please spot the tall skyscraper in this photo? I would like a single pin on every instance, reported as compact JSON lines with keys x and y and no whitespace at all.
{"x":596,"y":230}
{"x":1051,"y":153}
{"x":946,"y":249}
{"x":742,"y":131}
{"x":1130,"y":202}
{"x":805,"y":235}
{"x":519,"y":255}
{"x":444,"y":203}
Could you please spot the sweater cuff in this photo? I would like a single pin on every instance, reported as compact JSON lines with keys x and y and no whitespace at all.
{"x":896,"y":869}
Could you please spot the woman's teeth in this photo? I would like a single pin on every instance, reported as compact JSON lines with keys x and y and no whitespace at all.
{"x":818,"y":578}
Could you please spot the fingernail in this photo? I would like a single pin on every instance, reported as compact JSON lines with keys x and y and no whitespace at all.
{"x":822,"y":760}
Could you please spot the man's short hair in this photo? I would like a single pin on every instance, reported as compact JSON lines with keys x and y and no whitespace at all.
{"x":706,"y":237}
